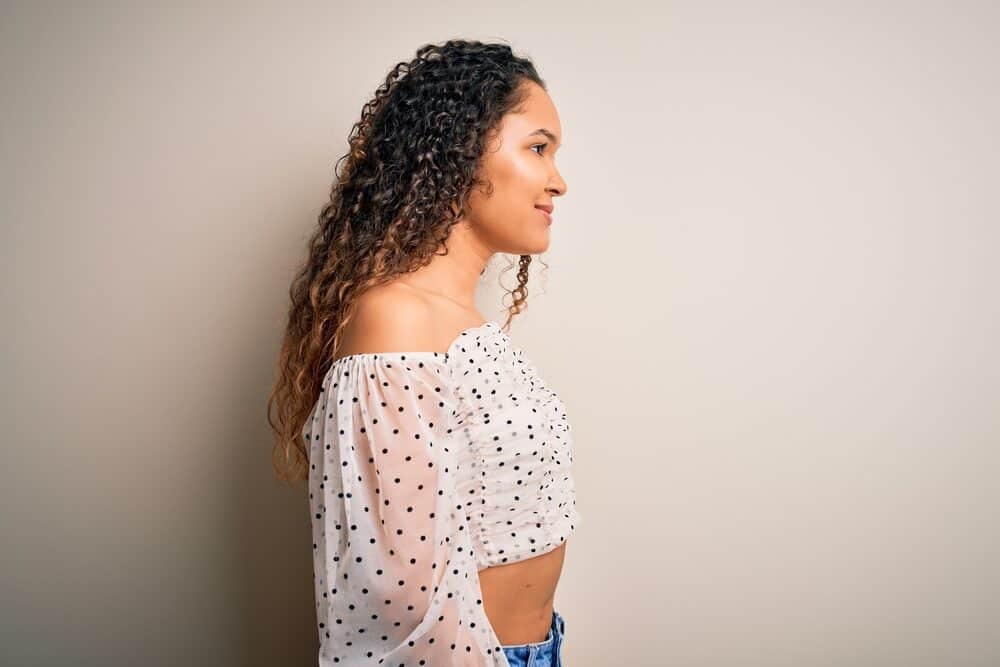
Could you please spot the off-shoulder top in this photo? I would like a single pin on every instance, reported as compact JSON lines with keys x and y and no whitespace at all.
{"x":426,"y":467}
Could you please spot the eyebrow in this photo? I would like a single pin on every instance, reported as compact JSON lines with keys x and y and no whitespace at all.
{"x":546,"y":133}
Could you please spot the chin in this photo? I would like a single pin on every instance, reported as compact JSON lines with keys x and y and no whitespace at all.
{"x":533,"y":242}
{"x":538,"y":248}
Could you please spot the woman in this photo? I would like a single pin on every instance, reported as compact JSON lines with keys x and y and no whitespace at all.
{"x":438,"y":460}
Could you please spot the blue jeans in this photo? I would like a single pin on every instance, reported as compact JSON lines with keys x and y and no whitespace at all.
{"x":539,"y":654}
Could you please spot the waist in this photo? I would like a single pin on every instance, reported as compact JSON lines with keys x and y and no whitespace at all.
{"x":512,"y":629}
{"x":518,"y":597}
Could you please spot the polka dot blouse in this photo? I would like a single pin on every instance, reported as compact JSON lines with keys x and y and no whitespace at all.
{"x":426,"y":467}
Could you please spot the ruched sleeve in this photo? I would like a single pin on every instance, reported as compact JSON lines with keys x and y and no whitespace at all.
{"x":396,"y":580}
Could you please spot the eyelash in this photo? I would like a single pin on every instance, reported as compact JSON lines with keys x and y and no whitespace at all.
{"x":543,"y":146}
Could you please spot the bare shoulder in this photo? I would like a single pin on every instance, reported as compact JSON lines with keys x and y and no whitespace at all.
{"x":397,"y":318}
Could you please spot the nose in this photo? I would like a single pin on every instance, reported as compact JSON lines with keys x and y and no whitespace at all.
{"x":557,"y":186}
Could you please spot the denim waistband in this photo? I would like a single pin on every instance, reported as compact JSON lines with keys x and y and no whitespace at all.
{"x":545,"y":653}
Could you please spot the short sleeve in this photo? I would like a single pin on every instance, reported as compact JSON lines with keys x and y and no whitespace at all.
{"x":395,"y":575}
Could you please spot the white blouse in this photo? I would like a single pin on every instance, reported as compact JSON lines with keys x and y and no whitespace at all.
{"x":426,"y":467}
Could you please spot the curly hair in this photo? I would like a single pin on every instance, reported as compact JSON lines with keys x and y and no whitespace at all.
{"x":413,"y":160}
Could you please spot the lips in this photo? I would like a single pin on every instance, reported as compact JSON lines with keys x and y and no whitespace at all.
{"x":545,"y":207}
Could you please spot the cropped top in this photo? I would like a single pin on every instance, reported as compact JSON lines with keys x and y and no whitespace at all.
{"x":426,"y":467}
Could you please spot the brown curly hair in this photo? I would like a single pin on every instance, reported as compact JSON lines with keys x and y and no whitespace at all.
{"x":413,"y":160}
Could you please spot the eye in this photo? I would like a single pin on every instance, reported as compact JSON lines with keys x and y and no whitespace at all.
{"x":542,"y":145}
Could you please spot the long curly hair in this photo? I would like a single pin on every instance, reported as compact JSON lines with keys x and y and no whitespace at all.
{"x":414,"y":158}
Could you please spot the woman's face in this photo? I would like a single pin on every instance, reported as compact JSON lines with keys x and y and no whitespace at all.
{"x":520,"y":163}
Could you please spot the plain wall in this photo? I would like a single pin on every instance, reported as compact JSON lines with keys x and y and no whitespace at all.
{"x":771,"y":309}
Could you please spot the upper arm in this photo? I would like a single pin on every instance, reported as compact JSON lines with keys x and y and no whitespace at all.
{"x":392,"y":549}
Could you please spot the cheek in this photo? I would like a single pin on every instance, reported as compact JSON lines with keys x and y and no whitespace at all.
{"x":527,"y":172}
{"x":518,"y":182}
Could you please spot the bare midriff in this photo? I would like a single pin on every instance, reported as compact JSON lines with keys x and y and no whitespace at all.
{"x":518,"y":597}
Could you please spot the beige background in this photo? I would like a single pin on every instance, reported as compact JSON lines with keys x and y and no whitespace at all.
{"x":771,"y":309}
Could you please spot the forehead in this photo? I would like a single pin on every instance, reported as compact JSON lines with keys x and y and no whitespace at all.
{"x":537,"y":111}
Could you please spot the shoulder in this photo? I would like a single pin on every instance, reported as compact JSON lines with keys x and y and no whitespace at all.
{"x":399,"y":318}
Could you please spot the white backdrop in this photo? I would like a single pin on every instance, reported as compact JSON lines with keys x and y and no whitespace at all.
{"x":771,"y":310}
